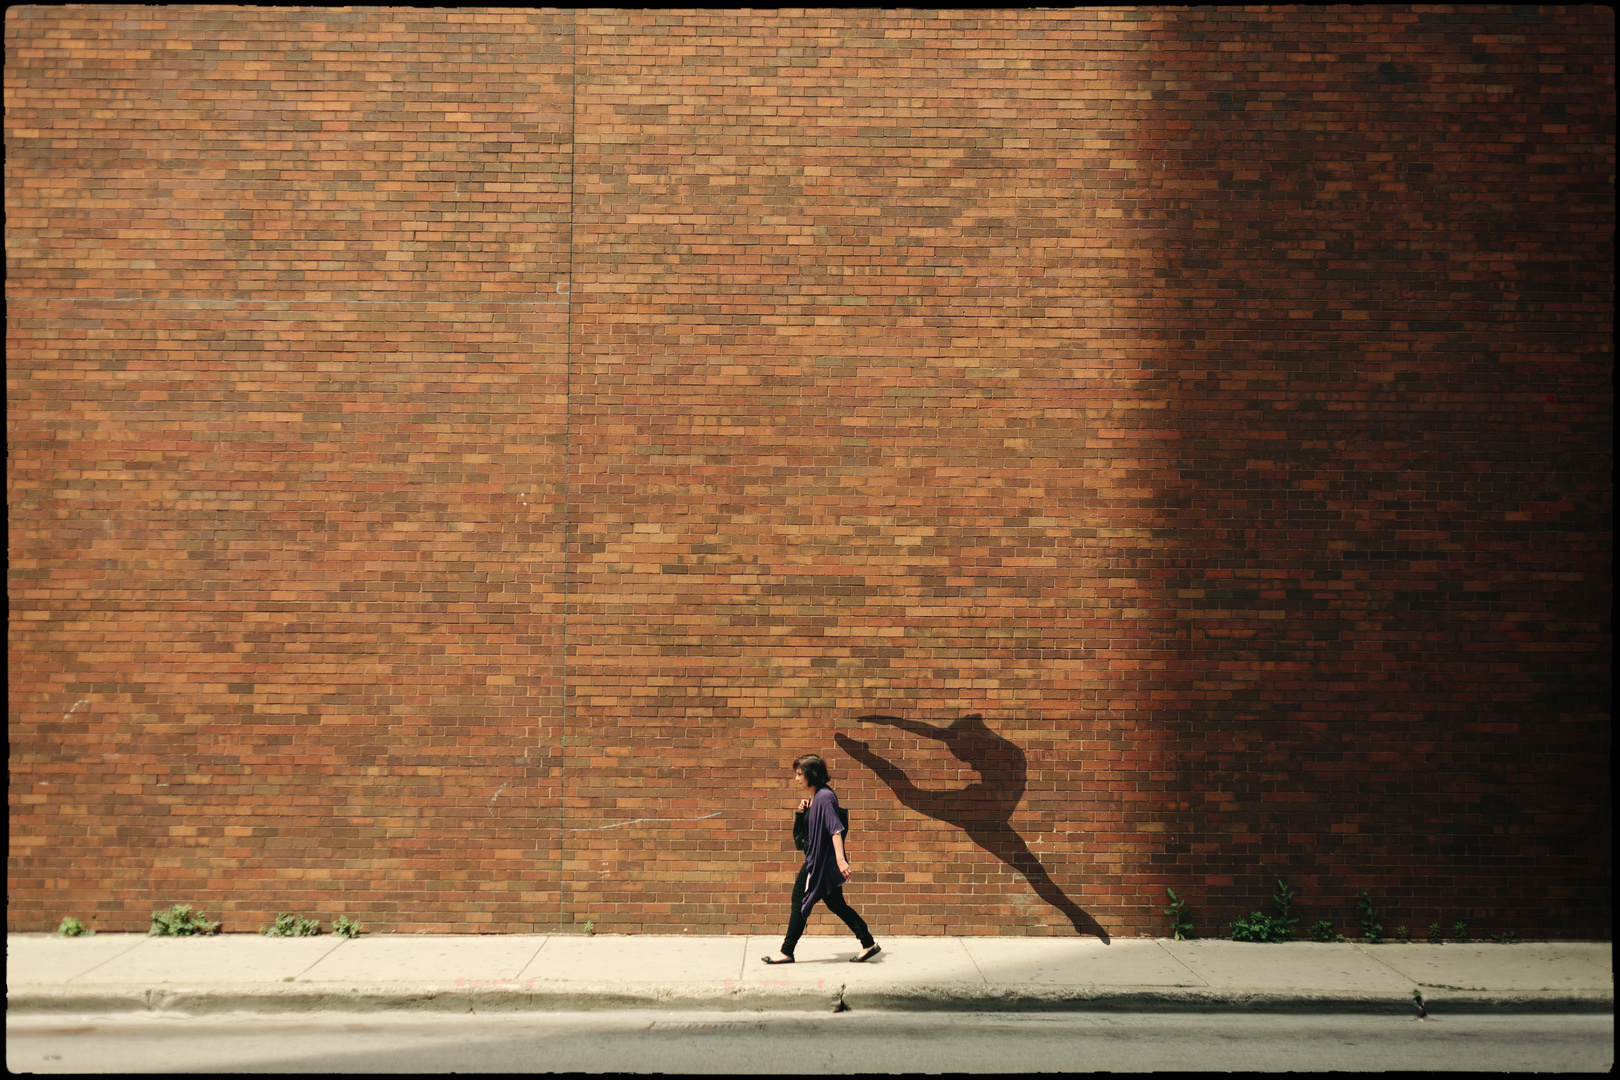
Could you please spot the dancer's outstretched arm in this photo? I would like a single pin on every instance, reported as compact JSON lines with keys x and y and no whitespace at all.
{"x":916,"y":727}
{"x":934,"y":804}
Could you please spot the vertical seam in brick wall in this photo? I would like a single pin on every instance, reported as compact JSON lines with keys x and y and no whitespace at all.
{"x":568,"y":455}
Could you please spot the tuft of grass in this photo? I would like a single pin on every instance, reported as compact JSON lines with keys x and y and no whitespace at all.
{"x":72,"y":927}
{"x":345,"y":927}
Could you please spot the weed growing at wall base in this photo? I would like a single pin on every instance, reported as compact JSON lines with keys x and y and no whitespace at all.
{"x":1181,"y":928}
{"x":1370,"y":926}
{"x":1322,"y":930}
{"x":345,"y":927}
{"x":288,"y":925}
{"x":1260,"y":927}
{"x":178,"y":921}
{"x":72,"y":927}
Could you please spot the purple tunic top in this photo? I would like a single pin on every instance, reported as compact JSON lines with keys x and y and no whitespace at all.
{"x":819,"y":854}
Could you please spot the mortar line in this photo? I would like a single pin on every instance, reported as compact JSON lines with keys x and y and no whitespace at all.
{"x":218,"y":302}
{"x":563,"y":891}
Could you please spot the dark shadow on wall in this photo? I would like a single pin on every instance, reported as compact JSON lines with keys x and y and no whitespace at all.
{"x":983,"y":809}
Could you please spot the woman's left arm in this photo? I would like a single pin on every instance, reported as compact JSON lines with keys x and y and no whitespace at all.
{"x":838,"y":850}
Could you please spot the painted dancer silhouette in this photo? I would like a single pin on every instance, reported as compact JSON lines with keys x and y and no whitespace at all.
{"x":982,"y":809}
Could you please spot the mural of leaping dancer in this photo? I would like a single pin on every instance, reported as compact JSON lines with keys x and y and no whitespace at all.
{"x":984,"y":808}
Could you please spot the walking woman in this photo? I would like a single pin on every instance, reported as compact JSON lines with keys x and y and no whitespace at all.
{"x":826,"y":866}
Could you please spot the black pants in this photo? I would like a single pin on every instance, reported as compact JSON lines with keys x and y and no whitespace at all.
{"x":835,"y":904}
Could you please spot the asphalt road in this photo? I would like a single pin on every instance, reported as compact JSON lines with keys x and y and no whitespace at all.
{"x":731,"y":1042}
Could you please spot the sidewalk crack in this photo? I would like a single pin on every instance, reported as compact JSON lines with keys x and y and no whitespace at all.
{"x":532,"y":959}
{"x":336,"y":945}
{"x":122,"y":952}
{"x":972,"y":960}
{"x":1386,"y":966}
{"x":1201,"y":980}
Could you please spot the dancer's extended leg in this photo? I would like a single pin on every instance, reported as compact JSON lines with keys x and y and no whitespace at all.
{"x":1002,"y":841}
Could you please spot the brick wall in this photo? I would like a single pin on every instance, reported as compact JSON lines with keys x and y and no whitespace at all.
{"x":458,"y":458}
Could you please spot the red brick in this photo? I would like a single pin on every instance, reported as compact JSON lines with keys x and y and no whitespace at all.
{"x":453,"y":453}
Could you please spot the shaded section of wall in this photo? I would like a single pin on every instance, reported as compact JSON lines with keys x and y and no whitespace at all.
{"x":1383,"y":293}
{"x":285,"y":390}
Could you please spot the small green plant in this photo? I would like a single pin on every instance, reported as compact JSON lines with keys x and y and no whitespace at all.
{"x":1435,"y":937}
{"x":1257,"y":926}
{"x":72,"y":927}
{"x":1506,"y":937}
{"x":1403,"y":935}
{"x":1181,"y":928}
{"x":1417,"y":998}
{"x":345,"y":927}
{"x":1370,"y":926}
{"x":590,"y":928}
{"x":1283,"y":898}
{"x":289,"y":925}
{"x":178,"y":921}
{"x":1460,"y":932}
{"x":1322,"y":930}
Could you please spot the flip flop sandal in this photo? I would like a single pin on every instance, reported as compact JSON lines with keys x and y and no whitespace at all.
{"x":773,"y":960}
{"x":865,"y":955}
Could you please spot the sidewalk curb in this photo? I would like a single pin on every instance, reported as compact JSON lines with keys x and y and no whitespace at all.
{"x":943,"y":998}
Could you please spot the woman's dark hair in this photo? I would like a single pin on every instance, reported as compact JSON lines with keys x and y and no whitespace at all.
{"x":814,"y":769}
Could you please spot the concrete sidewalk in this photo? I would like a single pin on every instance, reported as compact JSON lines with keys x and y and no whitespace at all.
{"x":246,"y":972}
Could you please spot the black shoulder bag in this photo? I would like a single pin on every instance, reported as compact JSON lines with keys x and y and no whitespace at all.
{"x":801,"y":827}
